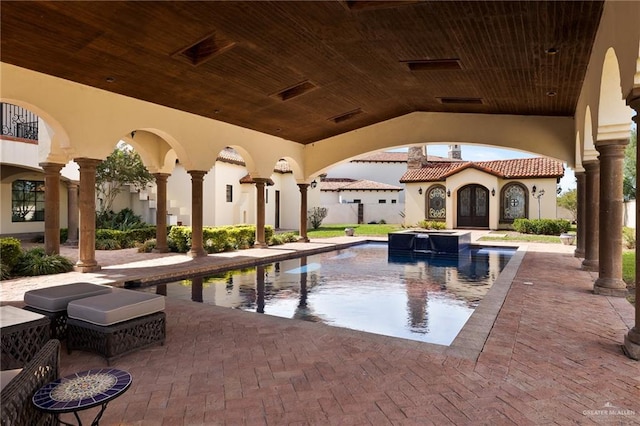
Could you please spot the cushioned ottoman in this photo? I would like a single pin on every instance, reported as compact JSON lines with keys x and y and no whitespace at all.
{"x":52,"y":302}
{"x":117,"y":323}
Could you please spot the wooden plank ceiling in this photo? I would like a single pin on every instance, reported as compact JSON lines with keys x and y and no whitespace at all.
{"x":309,"y":70}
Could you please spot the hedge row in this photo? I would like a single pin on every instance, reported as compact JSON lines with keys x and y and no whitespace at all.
{"x":542,"y":226}
{"x":217,"y":239}
{"x":111,"y":239}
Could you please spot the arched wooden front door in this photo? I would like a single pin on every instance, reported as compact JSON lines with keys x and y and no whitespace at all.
{"x":473,"y":206}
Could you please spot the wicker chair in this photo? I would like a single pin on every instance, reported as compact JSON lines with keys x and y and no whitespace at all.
{"x":17,"y":408}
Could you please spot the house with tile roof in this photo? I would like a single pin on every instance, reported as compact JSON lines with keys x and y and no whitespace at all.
{"x":360,"y":201}
{"x":480,"y":194}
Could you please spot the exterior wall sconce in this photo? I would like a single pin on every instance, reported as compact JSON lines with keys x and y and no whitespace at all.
{"x":420,"y":191}
{"x":493,"y":192}
{"x":313,"y":184}
{"x":533,"y":190}
{"x":448,"y":193}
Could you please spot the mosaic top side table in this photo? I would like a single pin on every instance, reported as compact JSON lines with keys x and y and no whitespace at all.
{"x":83,"y":390}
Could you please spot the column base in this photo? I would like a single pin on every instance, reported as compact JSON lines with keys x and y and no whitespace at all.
{"x":579,"y":253}
{"x":303,"y":240}
{"x":85,"y":267}
{"x":590,"y":265}
{"x":610,"y":287}
{"x":69,"y":243}
{"x":260,"y":245}
{"x":631,"y":345}
{"x":197,"y":253}
{"x":160,"y":250}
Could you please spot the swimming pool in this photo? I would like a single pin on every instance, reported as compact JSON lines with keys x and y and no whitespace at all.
{"x":427,"y":298}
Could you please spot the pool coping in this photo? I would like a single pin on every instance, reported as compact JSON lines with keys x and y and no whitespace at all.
{"x":468,"y":343}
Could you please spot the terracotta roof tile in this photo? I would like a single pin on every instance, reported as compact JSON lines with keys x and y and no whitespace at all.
{"x":248,"y":179}
{"x":537,"y":167}
{"x":230,"y":155}
{"x":336,"y":184}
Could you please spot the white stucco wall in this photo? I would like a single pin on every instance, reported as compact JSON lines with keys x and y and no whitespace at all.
{"x":348,"y":213}
{"x":389,"y":173}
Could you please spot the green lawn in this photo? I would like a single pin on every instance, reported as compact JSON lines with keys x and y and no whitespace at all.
{"x":629,"y":266}
{"x":374,"y":230}
{"x":531,"y":238}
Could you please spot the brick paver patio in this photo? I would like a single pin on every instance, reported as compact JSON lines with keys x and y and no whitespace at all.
{"x":553,"y":356}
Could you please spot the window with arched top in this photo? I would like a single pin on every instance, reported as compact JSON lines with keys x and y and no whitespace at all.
{"x":436,"y":203}
{"x":513,"y":202}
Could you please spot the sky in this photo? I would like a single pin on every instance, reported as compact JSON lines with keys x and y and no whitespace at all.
{"x":484,"y":153}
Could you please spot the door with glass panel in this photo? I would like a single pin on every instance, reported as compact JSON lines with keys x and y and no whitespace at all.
{"x":473,"y":207}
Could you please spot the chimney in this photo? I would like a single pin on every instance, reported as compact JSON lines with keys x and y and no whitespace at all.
{"x":417,"y":157}
{"x":455,"y":152}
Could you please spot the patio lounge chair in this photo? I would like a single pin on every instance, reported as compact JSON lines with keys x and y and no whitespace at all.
{"x":18,"y":387}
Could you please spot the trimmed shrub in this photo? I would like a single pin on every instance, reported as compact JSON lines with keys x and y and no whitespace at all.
{"x":5,"y":272}
{"x":108,"y":244}
{"x":629,"y":237}
{"x":64,"y":235}
{"x":181,"y":237}
{"x":10,"y":252}
{"x":287,"y":237}
{"x":432,"y":224}
{"x":217,"y":239}
{"x":542,"y":226}
{"x":147,"y":246}
{"x":139,"y":235}
{"x":35,"y":262}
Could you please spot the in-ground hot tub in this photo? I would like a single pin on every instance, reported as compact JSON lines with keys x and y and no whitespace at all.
{"x":429,"y":241}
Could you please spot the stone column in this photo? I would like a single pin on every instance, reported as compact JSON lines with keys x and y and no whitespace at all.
{"x":72,"y":214}
{"x":197,"y":248}
{"x":51,"y":207}
{"x":609,"y":282}
{"x":260,"y":213}
{"x":161,"y":213}
{"x":591,"y":222}
{"x":303,"y":212}
{"x":582,"y":206}
{"x":632,"y":338}
{"x":87,"y":243}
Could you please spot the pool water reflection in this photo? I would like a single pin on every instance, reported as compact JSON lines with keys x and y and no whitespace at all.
{"x":427,"y":298}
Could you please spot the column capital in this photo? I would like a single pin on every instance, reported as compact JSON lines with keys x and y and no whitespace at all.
{"x":51,"y":167}
{"x":163,"y":176}
{"x":591,"y":165}
{"x":633,"y":100}
{"x":87,"y":163}
{"x":303,"y":186}
{"x":610,"y":143}
{"x":265,"y":181}
{"x":197,"y":174}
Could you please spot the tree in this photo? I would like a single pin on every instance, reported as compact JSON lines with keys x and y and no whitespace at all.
{"x":629,"y":172}
{"x":569,"y":201}
{"x":316,"y":215}
{"x":122,"y":167}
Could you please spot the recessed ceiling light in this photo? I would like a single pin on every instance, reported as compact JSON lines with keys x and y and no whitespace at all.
{"x":551,"y":93}
{"x":551,"y":51}
{"x":216,"y":111}
{"x":110,"y":79}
